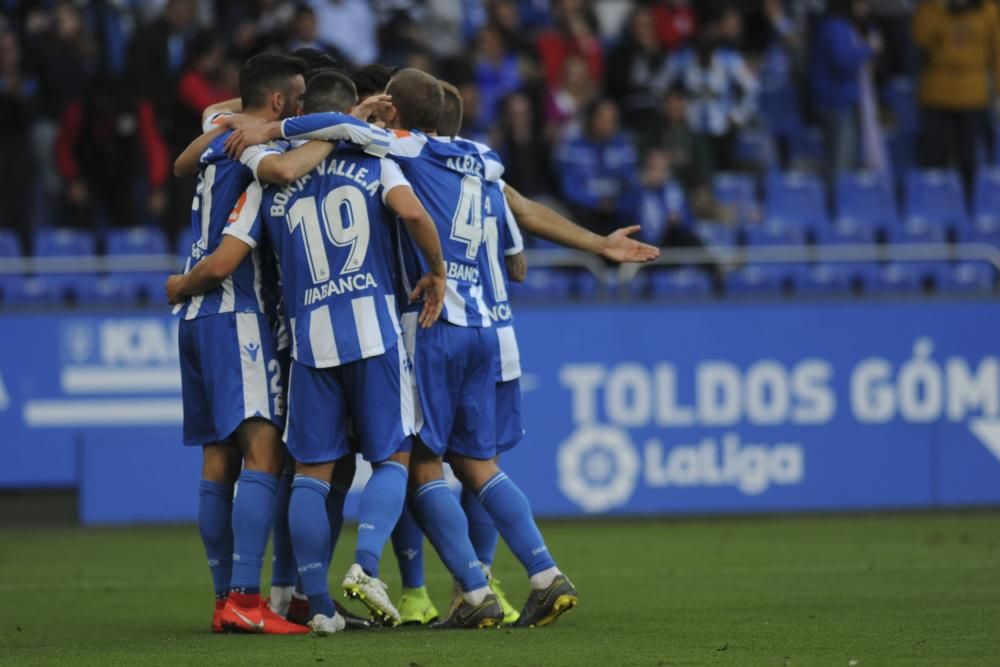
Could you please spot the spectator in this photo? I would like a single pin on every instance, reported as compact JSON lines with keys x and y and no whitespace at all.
{"x":305,"y":31}
{"x":18,"y":93}
{"x":690,"y":155}
{"x":596,"y":167}
{"x":721,"y":88}
{"x":158,"y":56}
{"x":575,"y":35}
{"x":960,"y":44}
{"x":779,"y":98}
{"x":496,"y":72}
{"x":198,"y":86}
{"x":504,"y":15}
{"x":102,"y":139}
{"x":637,"y":68}
{"x":839,"y":51}
{"x":657,"y":204}
{"x":675,"y":22}
{"x":348,"y":26}
{"x":525,"y":150}
{"x":576,"y":91}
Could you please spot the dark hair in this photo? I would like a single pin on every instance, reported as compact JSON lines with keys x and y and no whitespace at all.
{"x":450,"y":123}
{"x":372,"y":79}
{"x":329,"y":91}
{"x":203,"y":43}
{"x":266,"y":73}
{"x":593,"y":107}
{"x":418,"y":98}
{"x":316,"y":61}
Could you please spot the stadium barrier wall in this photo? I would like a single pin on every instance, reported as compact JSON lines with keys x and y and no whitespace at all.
{"x":641,"y":409}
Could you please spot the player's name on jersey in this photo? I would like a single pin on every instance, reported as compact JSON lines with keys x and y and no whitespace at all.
{"x":463,"y":272}
{"x":466,"y":164}
{"x":346,"y":168}
{"x":342,"y":285}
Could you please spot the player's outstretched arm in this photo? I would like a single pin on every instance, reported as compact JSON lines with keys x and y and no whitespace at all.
{"x":210,"y":272}
{"x":327,"y":126}
{"x":542,"y":221}
{"x":421,"y":229}
{"x":293,"y":165}
{"x":186,"y":163}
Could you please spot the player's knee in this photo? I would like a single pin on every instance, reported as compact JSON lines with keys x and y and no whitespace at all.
{"x":220,"y":464}
{"x":261,"y":445}
{"x":473,"y":473}
{"x":343,"y":472}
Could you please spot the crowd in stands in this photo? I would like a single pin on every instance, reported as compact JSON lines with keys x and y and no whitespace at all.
{"x":620,"y":111}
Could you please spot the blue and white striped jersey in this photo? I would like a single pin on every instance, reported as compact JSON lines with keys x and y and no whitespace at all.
{"x":332,"y":234}
{"x":222,"y":182}
{"x":502,"y":237}
{"x":447,"y":176}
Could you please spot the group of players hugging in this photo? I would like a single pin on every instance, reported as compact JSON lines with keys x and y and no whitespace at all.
{"x":357,"y":253}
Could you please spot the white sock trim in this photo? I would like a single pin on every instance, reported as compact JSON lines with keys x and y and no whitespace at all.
{"x":544,"y":578}
{"x":477,"y":596}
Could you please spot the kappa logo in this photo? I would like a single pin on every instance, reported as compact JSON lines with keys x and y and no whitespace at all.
{"x":252,"y":349}
{"x":598,"y":468}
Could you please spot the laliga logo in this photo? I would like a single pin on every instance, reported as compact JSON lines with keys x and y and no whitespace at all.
{"x":598,"y":468}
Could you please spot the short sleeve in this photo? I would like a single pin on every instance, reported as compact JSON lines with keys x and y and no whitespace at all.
{"x":392,"y":177}
{"x":214,"y":121}
{"x":513,"y":241}
{"x":244,"y":221}
{"x":252,"y":156}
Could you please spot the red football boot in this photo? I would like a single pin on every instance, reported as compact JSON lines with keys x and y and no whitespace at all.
{"x":250,"y":614}
{"x":220,"y":604}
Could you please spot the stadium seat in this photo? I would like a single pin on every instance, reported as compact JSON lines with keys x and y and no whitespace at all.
{"x":847,"y":229}
{"x":934,"y":196}
{"x":135,"y":241}
{"x":10,"y":244}
{"x":918,"y":229}
{"x":736,"y":193}
{"x":756,"y":279}
{"x":798,"y":197}
{"x":543,"y":283}
{"x":776,"y":231}
{"x":824,"y":279}
{"x":907,"y":277}
{"x":30,"y":291}
{"x":968,"y":277}
{"x":100,"y":290}
{"x":754,"y":147}
{"x":809,"y":146}
{"x":716,"y":234}
{"x":864,"y":197}
{"x":683,"y":282}
{"x":985,"y":224}
{"x":64,"y":242}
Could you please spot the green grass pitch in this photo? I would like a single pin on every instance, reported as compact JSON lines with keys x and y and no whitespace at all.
{"x":855,"y":590}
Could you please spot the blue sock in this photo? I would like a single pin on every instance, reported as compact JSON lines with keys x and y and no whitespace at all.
{"x":253,"y":516}
{"x":215,"y":524}
{"x":439,"y":514}
{"x":482,"y":531}
{"x":408,"y":544}
{"x":311,"y":541}
{"x":381,"y":503}
{"x":335,"y":513}
{"x":512,"y":515}
{"x":283,"y":560}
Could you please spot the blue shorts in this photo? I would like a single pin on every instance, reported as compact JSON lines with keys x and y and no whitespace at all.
{"x":509,"y":428}
{"x":375,"y":394}
{"x":456,"y":371}
{"x":230,"y":372}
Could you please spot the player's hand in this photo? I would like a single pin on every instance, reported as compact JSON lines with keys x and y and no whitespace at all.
{"x":431,"y":289}
{"x":174,"y":289}
{"x":250,"y":135}
{"x":373,"y":106}
{"x":618,"y":247}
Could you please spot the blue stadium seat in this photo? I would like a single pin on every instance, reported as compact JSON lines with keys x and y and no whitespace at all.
{"x":918,"y":229}
{"x":968,"y":277}
{"x":685,"y":282}
{"x":935,"y":195}
{"x":716,"y":234}
{"x":864,"y":197}
{"x":907,"y":276}
{"x":135,"y":241}
{"x":10,"y":244}
{"x":755,"y":279}
{"x":754,"y":147}
{"x":64,"y":242}
{"x":775,"y":231}
{"x":798,"y":197}
{"x":825,"y":279}
{"x":101,"y":290}
{"x":985,"y":225}
{"x":847,"y":229}
{"x":809,"y":146}
{"x":737,"y":193}
{"x":30,"y":291}
{"x":543,"y":283}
